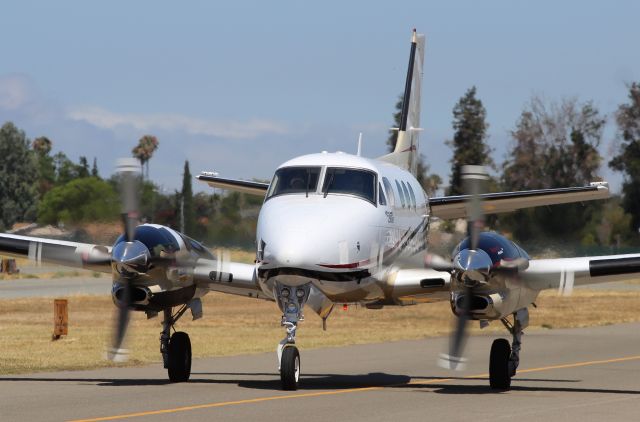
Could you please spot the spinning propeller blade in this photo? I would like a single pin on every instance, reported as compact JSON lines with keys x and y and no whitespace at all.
{"x":475,"y":179}
{"x":129,"y":173}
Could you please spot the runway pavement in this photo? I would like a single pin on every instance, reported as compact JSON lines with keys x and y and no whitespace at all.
{"x":63,"y":286}
{"x":581,"y":375}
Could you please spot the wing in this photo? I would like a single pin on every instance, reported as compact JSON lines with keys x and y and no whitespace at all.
{"x":448,"y":207}
{"x":244,"y":186}
{"x":228,"y":277}
{"x":564,"y":273}
{"x":70,"y":254}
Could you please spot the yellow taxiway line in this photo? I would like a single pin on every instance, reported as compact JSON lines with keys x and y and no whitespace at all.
{"x":343,"y":391}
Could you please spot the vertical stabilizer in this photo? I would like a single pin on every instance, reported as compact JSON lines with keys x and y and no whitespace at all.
{"x":406,"y":152}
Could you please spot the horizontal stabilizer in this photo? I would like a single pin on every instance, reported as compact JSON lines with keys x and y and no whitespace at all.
{"x":244,"y":186}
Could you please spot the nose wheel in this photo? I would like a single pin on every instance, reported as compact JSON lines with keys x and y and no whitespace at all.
{"x":290,"y":368}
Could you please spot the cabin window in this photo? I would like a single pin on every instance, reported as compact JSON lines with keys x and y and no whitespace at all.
{"x":294,"y":180}
{"x":389,"y":190}
{"x":381,"y":199}
{"x":401,"y":194}
{"x":345,"y":181}
{"x":413,"y":196}
{"x":406,"y":195}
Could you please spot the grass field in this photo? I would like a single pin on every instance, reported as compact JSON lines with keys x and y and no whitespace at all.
{"x":237,"y":325}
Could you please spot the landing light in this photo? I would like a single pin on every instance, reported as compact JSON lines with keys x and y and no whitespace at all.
{"x":300,"y":293}
{"x":285,"y":292}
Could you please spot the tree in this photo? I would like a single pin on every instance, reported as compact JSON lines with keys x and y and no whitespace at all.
{"x":42,"y":145}
{"x":81,"y":200}
{"x":44,"y":162}
{"x":187,"y":206}
{"x":18,"y":190}
{"x":147,"y":145}
{"x":554,"y":146}
{"x":66,"y":170}
{"x":430,"y":182}
{"x":469,"y":140}
{"x":628,"y":158}
{"x":83,"y":168}
{"x":94,"y":168}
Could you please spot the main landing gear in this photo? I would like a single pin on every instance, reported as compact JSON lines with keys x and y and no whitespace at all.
{"x":504,"y":358}
{"x":176,"y":348}
{"x":291,"y":300}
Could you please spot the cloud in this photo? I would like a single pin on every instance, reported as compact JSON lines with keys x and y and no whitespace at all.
{"x":16,"y":91}
{"x":232,"y":129}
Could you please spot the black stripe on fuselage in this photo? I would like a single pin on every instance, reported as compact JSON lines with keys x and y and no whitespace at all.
{"x":614,"y":266}
{"x":14,"y":246}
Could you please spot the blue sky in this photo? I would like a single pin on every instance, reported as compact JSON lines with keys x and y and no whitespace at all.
{"x":242,"y":86}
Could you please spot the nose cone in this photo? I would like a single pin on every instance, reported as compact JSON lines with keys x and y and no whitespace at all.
{"x":301,"y":232}
{"x":130,"y":257}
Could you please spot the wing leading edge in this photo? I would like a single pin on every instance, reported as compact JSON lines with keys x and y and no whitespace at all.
{"x":449,"y":207}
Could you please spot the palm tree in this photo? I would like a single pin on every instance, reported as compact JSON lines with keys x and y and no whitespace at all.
{"x":144,"y":150}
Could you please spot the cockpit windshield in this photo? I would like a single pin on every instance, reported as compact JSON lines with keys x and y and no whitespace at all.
{"x":361,"y":183}
{"x":289,"y":180}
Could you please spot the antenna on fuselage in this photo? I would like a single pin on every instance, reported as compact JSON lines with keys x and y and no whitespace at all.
{"x":359,"y":144}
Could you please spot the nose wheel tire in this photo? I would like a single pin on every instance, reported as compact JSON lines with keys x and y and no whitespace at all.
{"x":499,"y":375}
{"x":290,"y":368}
{"x":179,"y":367}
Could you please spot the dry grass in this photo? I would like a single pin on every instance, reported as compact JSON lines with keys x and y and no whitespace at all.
{"x":236,"y":325}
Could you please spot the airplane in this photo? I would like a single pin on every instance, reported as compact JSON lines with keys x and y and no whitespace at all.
{"x":338,"y":228}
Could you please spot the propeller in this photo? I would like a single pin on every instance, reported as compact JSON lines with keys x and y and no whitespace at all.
{"x":470,"y":267}
{"x":129,"y":258}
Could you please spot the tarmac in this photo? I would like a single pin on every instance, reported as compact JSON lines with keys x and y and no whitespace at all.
{"x":587,"y":374}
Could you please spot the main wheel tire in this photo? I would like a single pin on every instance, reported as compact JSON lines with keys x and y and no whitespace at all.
{"x":179,"y":357}
{"x":499,"y":376}
{"x":290,"y":368}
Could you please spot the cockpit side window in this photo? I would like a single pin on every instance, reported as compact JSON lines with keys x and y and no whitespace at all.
{"x":401,"y":194}
{"x":389,"y":189}
{"x":294,"y":180}
{"x":381,"y":199}
{"x":357,"y":182}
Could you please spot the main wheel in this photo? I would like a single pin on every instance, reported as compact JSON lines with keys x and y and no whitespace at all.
{"x":290,"y":368}
{"x":499,"y":376}
{"x":179,"y":357}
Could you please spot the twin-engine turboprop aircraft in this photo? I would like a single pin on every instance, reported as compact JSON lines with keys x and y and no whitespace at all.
{"x":340,"y":228}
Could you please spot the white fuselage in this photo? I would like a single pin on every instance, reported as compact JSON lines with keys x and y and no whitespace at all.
{"x":342,"y":242}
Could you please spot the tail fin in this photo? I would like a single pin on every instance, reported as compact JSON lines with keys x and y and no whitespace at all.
{"x":406,"y":152}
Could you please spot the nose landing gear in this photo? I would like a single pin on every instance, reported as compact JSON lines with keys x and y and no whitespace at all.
{"x":291,"y":300}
